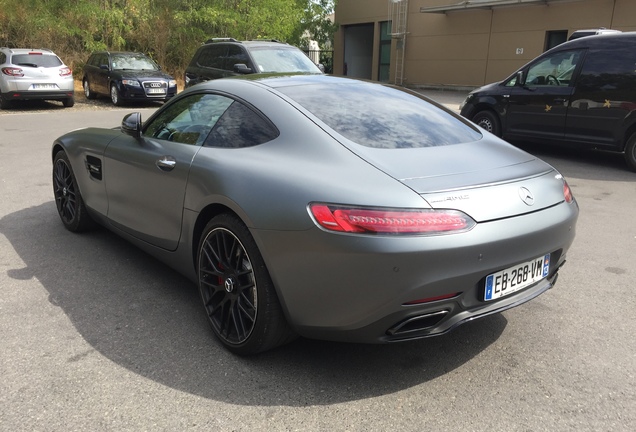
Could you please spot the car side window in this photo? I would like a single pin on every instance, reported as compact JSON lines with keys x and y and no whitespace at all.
{"x":188,"y":120}
{"x":3,"y":58}
{"x":555,"y":69}
{"x":103,"y":60}
{"x":235,"y":55}
{"x":212,"y":56}
{"x":239,"y":127}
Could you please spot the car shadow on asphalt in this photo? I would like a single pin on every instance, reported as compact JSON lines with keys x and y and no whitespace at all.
{"x":582,"y":164}
{"x":144,"y":317}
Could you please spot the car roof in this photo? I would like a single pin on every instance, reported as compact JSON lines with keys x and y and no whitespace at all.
{"x":250,"y":43}
{"x":119,"y":52}
{"x":606,"y":39}
{"x":45,"y":51}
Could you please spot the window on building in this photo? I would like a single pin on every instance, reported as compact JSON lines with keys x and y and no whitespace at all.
{"x":554,"y":38}
{"x":385,"y":51}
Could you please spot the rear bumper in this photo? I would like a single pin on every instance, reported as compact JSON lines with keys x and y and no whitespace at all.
{"x":375,"y":290}
{"x":38,"y":95}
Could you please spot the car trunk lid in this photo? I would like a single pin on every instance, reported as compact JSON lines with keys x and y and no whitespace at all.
{"x":487,"y":179}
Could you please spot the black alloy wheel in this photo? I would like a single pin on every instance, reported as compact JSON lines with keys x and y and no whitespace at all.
{"x":236,"y":289}
{"x":68,"y":200}
{"x":488,"y":120}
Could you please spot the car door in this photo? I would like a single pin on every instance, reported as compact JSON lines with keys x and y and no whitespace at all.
{"x":99,"y":78}
{"x":537,"y":108}
{"x":605,"y":97}
{"x":146,"y":177}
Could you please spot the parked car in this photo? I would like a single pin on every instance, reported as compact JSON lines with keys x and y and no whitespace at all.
{"x":223,"y":57}
{"x":581,"y":94}
{"x":323,"y":206}
{"x":29,"y":74}
{"x":125,"y":77}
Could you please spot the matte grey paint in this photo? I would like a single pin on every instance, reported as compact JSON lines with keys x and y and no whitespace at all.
{"x":332,"y":285}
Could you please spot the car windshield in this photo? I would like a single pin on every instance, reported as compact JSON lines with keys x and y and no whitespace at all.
{"x":134,"y":62}
{"x":279,"y":59}
{"x":36,"y":60}
{"x":381,"y":117}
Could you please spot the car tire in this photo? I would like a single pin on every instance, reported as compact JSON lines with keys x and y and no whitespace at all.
{"x":68,"y":199}
{"x":630,"y":152}
{"x":4,"y":104}
{"x":87,"y":90}
{"x":115,"y":96}
{"x":68,"y":102}
{"x":489,"y":121}
{"x":238,"y":294}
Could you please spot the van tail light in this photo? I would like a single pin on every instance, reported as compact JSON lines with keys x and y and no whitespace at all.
{"x":13,"y":71}
{"x":364,"y":220}
{"x":65,"y":71}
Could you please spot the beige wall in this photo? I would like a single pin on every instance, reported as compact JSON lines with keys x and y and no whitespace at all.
{"x":470,"y":48}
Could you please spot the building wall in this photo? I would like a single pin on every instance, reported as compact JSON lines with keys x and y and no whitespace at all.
{"x":469,"y":48}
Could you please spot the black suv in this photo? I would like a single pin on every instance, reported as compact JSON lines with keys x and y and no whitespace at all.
{"x":126,"y":76}
{"x":222,"y":57}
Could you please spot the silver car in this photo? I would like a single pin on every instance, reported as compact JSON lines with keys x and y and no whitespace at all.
{"x":323,"y":207}
{"x":27,"y":74}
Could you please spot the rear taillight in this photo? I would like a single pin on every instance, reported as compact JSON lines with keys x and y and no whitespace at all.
{"x":65,"y":71}
{"x":13,"y":71}
{"x":567,"y":192}
{"x":389,"y":221}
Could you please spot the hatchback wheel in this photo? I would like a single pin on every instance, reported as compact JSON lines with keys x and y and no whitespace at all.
{"x":237,"y":291}
{"x":68,"y":102}
{"x":4,"y":104}
{"x":68,"y":200}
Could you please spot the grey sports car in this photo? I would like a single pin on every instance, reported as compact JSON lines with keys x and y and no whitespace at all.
{"x":323,"y":207}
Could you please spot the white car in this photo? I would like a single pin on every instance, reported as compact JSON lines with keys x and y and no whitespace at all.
{"x":28,"y":74}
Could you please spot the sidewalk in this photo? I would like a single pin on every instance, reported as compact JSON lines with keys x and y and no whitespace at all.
{"x":449,"y":98}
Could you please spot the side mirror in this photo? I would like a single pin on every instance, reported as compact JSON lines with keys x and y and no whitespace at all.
{"x":521,"y":79}
{"x":242,"y":69}
{"x":321,"y":67}
{"x":103,"y":66}
{"x":131,"y":125}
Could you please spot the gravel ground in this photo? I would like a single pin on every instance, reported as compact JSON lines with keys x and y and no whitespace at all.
{"x":81,"y":104}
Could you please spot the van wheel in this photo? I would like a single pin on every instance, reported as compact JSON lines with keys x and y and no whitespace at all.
{"x":488,"y":120}
{"x":630,"y":152}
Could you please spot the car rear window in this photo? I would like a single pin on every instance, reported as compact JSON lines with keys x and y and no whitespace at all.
{"x":381,"y":117}
{"x":36,"y":60}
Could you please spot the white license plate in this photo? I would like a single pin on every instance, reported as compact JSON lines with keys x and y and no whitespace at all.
{"x":513,"y":279}
{"x":44,"y":86}
{"x":156,"y":91}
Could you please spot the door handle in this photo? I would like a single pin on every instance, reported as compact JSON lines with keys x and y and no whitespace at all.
{"x":166,"y":163}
